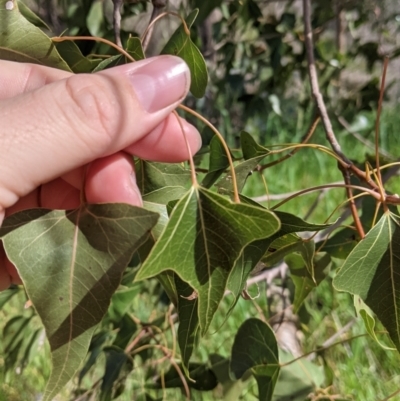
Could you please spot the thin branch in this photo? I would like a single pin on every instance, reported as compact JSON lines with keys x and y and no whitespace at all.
{"x":117,"y":21}
{"x":158,"y":5}
{"x":352,"y":203}
{"x":312,"y":72}
{"x":378,"y":116}
{"x":304,"y":140}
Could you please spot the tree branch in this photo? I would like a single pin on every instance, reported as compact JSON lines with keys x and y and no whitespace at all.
{"x":312,"y":72}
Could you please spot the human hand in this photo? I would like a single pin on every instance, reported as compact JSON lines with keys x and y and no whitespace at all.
{"x":56,"y":127}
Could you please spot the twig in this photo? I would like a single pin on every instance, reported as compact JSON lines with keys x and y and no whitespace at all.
{"x":378,"y":116}
{"x":312,"y":72}
{"x":158,"y":5}
{"x":304,"y":140}
{"x":117,"y":21}
{"x":353,"y":206}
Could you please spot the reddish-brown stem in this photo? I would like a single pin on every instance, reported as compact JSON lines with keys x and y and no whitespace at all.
{"x":96,"y":39}
{"x":225,"y":146}
{"x":305,"y":139}
{"x":191,"y":161}
{"x":353,"y":206}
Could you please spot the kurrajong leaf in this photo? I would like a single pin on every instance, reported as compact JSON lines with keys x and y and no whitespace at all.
{"x":24,"y":42}
{"x":260,"y":249}
{"x":71,"y":262}
{"x":204,"y":237}
{"x":180,"y":44}
{"x":371,"y":272}
{"x":218,"y":162}
{"x":188,"y":321}
{"x":255,"y":349}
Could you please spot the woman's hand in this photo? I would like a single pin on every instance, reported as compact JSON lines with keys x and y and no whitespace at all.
{"x":55,"y":127}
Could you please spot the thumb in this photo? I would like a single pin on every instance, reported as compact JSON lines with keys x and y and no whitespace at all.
{"x":68,"y":123}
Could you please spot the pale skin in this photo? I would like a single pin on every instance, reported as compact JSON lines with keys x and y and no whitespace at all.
{"x":56,"y":128}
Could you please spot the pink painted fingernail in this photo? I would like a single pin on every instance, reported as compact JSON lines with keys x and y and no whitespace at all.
{"x":161,"y":82}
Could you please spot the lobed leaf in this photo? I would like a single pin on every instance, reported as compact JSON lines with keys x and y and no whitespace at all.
{"x":255,"y":349}
{"x":371,"y":272}
{"x":71,"y":263}
{"x":180,"y":44}
{"x":22,"y":41}
{"x":204,"y":237}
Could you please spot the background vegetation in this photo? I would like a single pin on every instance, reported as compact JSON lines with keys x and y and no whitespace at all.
{"x":258,"y":82}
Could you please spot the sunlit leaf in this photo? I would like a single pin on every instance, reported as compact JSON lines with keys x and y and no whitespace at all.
{"x":298,"y":379}
{"x":202,"y":241}
{"x":152,"y":176}
{"x":24,"y":42}
{"x":180,"y":44}
{"x":369,"y":321}
{"x":255,"y":349}
{"x":370,"y":271}
{"x":243,"y":170}
{"x":71,"y":262}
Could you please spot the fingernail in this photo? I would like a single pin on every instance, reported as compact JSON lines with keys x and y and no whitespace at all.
{"x":161,"y":82}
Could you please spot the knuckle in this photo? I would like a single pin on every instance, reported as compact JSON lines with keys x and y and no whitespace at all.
{"x":95,"y":107}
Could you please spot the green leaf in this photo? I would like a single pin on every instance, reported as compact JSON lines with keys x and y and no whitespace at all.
{"x":243,"y":170}
{"x":250,"y":147}
{"x":126,"y":329}
{"x":204,"y":237}
{"x":266,"y":249}
{"x":298,"y":379}
{"x":188,"y":321}
{"x":6,"y":295}
{"x":116,"y":359}
{"x":203,"y":378}
{"x":135,"y":49}
{"x":14,"y":335}
{"x":31,"y":16}
{"x":255,"y":349}
{"x":95,"y":349}
{"x":24,"y":42}
{"x":370,"y":271}
{"x":180,"y":44}
{"x":302,"y":279}
{"x":165,"y":194}
{"x":109,"y":62}
{"x":369,"y":321}
{"x":217,"y":164}
{"x":77,"y":62}
{"x":71,"y":262}
{"x":152,"y":176}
